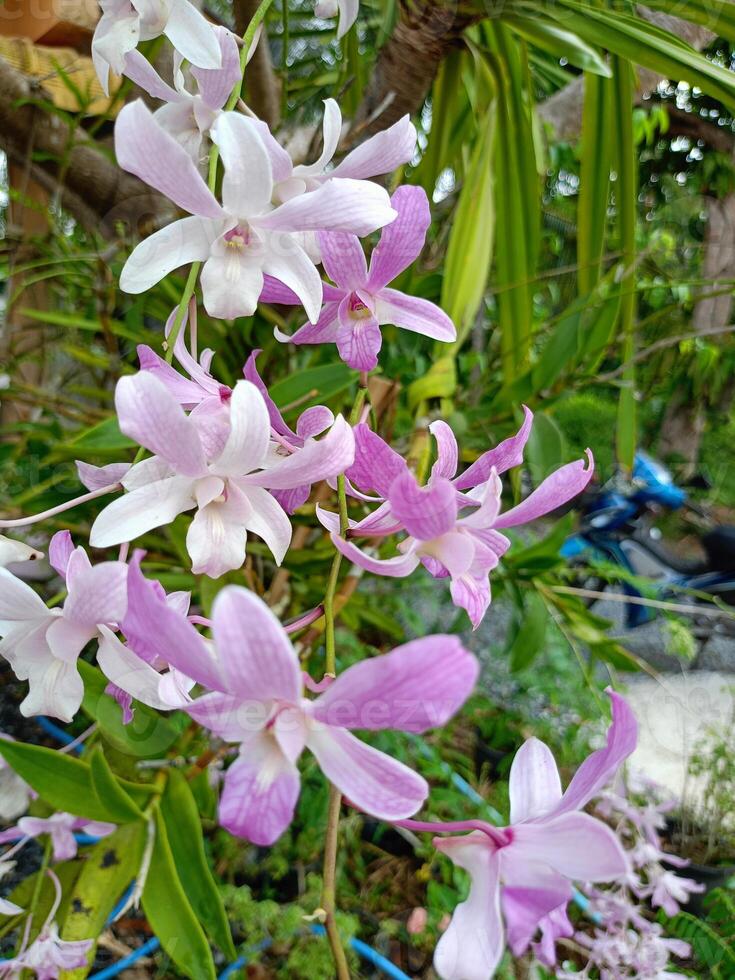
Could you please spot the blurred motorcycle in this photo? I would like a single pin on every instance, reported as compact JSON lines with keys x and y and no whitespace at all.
{"x":617,"y":526}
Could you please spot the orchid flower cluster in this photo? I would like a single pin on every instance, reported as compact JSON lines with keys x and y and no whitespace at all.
{"x":226,"y":456}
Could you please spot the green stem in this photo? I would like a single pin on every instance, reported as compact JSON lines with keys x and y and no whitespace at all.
{"x":187,"y":294}
{"x":247,"y":41}
{"x":329,"y":884}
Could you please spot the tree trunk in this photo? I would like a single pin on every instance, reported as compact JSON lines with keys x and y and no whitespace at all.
{"x":684,"y":420}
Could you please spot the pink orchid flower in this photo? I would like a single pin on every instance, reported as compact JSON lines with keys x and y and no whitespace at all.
{"x":43,"y":645}
{"x":451,"y":533}
{"x":522,"y":873}
{"x":201,"y":391}
{"x":189,"y":117}
{"x":257,"y":700}
{"x":311,"y":423}
{"x":378,"y":155}
{"x":247,"y":237}
{"x":135,"y":668}
{"x":48,"y":955}
{"x":361,"y":302}
{"x":124,"y":23}
{"x":61,"y":828}
{"x":219,"y":462}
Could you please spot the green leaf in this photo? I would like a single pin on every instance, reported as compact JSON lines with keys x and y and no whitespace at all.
{"x":643,"y":43}
{"x":184,"y":829}
{"x":546,"y":449}
{"x":108,"y":791}
{"x":108,"y":869}
{"x":551,"y":37}
{"x":103,"y":437}
{"x":313,"y":386}
{"x":147,"y":736}
{"x":594,"y":180}
{"x":440,"y":381}
{"x":470,"y":247}
{"x":170,"y":914}
{"x":63,"y":782}
{"x":530,"y":632}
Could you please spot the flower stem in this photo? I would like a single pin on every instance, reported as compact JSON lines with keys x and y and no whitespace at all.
{"x":187,"y":294}
{"x":247,"y":41}
{"x":329,"y":885}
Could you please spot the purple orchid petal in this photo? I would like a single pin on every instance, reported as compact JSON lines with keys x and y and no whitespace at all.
{"x":318,"y":460}
{"x":557,"y":489}
{"x":355,"y":206}
{"x":417,"y":686}
{"x":426,"y":512}
{"x":149,"y":414}
{"x":554,"y":926}
{"x":291,"y":500}
{"x":376,"y":465}
{"x":414,"y":314}
{"x":535,"y":786}
{"x":258,"y":660}
{"x":275,"y":292}
{"x":398,"y":567}
{"x":251,"y":373}
{"x":473,"y":595}
{"x":447,"y":450}
{"x":358,"y":338}
{"x":254,"y":805}
{"x":324,"y":331}
{"x":371,"y":780}
{"x":229,"y":717}
{"x":181,"y":242}
{"x":402,"y":240}
{"x":599,"y":768}
{"x":139,"y":70}
{"x":187,"y":393}
{"x":526,"y":904}
{"x":314,"y":421}
{"x":576,"y":845}
{"x":145,"y":149}
{"x":125,"y":701}
{"x":97,"y":594}
{"x":506,"y":455}
{"x":380,"y":154}
{"x":343,"y":258}
{"x":170,"y":636}
{"x":473,"y":944}
{"x":60,"y":550}
{"x":215,"y":84}
{"x":96,"y":477}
